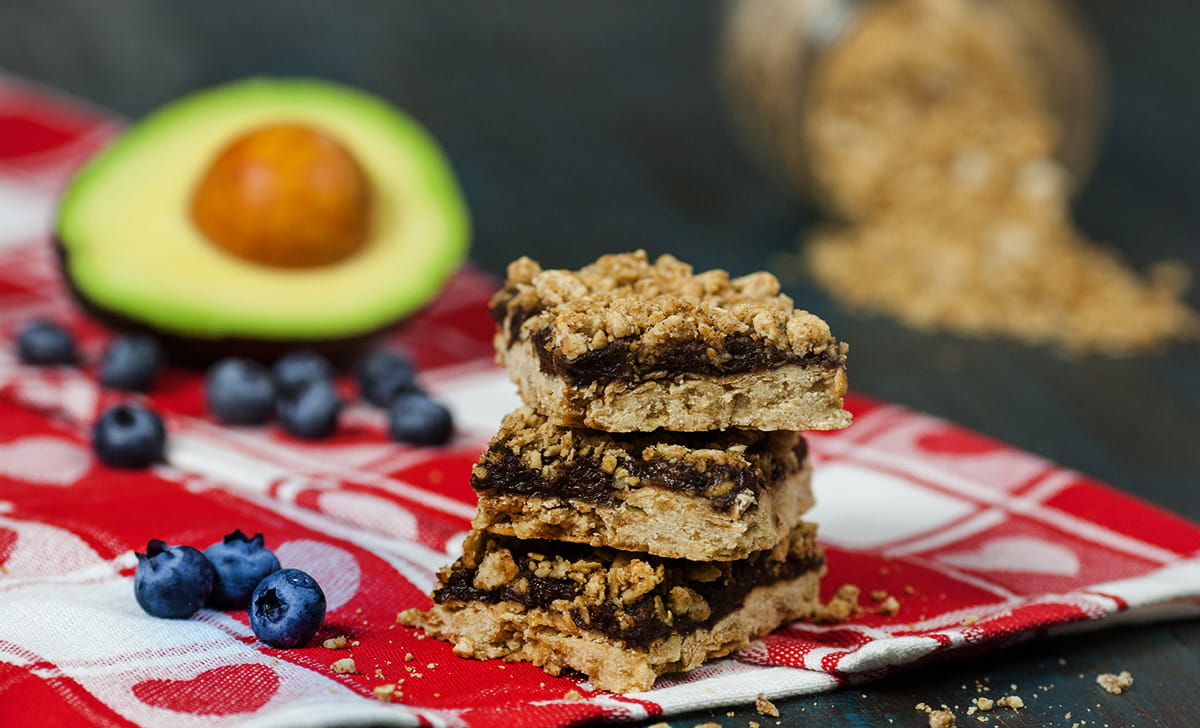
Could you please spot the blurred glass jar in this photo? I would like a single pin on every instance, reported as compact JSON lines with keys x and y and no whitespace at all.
{"x":779,"y":57}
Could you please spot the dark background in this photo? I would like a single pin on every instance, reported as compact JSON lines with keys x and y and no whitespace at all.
{"x":579,"y":128}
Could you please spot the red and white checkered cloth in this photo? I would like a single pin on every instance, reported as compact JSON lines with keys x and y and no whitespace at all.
{"x":982,"y":544}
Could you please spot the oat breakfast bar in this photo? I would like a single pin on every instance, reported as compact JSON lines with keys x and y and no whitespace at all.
{"x":620,"y":618}
{"x":706,"y":496}
{"x":626,"y":344}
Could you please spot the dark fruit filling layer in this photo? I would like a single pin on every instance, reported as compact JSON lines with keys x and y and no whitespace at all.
{"x":584,"y":479}
{"x":618,"y":362}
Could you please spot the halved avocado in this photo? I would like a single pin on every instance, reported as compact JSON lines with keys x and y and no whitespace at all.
{"x":133,"y":255}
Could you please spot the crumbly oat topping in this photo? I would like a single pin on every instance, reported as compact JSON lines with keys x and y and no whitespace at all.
{"x":765,"y":707}
{"x":931,"y":134}
{"x":573,"y":696}
{"x":1011,"y":701}
{"x":625,"y":297}
{"x":941,"y":719}
{"x":984,"y":703}
{"x":1115,"y":684}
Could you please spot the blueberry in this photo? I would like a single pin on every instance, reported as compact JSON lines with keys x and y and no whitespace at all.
{"x":416,"y":419}
{"x":311,"y":411}
{"x":45,"y":342}
{"x":130,"y":362}
{"x":172,"y":581}
{"x":299,"y":368}
{"x":287,"y":608}
{"x":238,"y":563}
{"x":240,"y":392}
{"x":385,"y":375}
{"x":128,"y":436}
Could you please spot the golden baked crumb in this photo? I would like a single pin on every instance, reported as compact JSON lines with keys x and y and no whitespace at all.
{"x":384,"y":692}
{"x":1011,"y":701}
{"x":573,"y":695}
{"x":890,"y":607}
{"x":1115,"y":684}
{"x":765,"y":707}
{"x":343,"y":666}
{"x":336,"y":643}
{"x":968,"y":620}
{"x":941,"y":719}
{"x":842,"y":606}
{"x":984,"y":703}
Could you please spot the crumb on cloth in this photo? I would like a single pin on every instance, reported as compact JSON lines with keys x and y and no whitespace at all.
{"x":336,"y":643}
{"x":840,"y":607}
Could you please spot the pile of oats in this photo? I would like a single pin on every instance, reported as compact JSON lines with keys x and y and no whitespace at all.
{"x":929,"y":133}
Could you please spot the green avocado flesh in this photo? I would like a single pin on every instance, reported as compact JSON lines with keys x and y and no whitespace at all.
{"x":130,"y":247}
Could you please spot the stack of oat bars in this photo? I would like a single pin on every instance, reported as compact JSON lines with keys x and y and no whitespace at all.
{"x":642,"y":512}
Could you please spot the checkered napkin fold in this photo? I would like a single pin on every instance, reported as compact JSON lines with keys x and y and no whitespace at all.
{"x":981,"y":544}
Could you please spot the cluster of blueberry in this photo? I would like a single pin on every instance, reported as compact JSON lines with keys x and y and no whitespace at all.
{"x":299,"y":391}
{"x":286,"y":606}
{"x":129,"y":362}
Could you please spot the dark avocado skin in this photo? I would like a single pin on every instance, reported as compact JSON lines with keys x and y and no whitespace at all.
{"x":199,"y":353}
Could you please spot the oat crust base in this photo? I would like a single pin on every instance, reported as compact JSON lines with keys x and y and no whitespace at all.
{"x":552,"y":641}
{"x":790,"y":397}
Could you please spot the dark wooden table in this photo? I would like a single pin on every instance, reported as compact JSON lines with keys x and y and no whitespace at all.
{"x":580,"y":128}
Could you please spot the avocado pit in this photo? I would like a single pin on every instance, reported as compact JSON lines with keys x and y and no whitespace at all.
{"x":285,"y":195}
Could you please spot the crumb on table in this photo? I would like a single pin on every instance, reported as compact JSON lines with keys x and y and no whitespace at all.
{"x":1115,"y":684}
{"x":941,"y":719}
{"x":765,"y":707}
